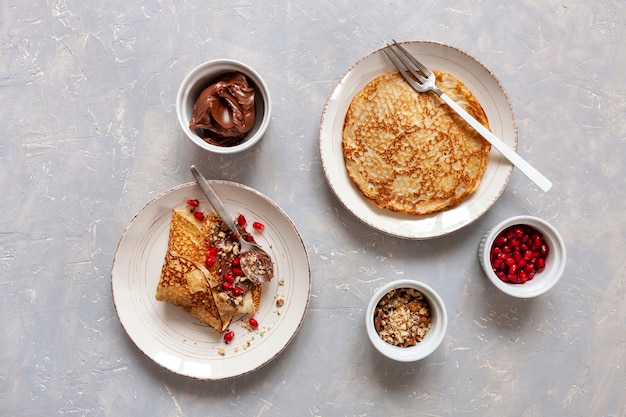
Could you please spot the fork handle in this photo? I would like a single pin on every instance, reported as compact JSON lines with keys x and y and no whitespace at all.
{"x":513,"y":157}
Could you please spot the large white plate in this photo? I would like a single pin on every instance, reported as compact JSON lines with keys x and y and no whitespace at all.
{"x":170,"y":336}
{"x":489,"y":93}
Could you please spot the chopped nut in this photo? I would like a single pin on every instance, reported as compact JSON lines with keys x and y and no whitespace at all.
{"x":402,"y":317}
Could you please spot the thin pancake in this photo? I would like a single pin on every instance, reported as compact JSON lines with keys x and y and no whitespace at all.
{"x":408,"y":151}
{"x":186,"y":280}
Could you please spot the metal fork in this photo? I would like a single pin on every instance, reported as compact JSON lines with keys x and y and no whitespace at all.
{"x":422,"y":80}
{"x":255,"y":262}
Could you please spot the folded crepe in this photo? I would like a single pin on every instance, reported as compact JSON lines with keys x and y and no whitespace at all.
{"x":190,"y":282}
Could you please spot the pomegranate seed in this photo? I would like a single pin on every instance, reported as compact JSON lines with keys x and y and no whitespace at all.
{"x":227,"y":286}
{"x":541,"y":264}
{"x":198,"y":215}
{"x":193,"y":203}
{"x":212,"y":251}
{"x":237,"y":291}
{"x":258,"y":226}
{"x":249,"y":238}
{"x":236,"y":261}
{"x":229,"y":278}
{"x":518,"y":253}
{"x":210,"y":260}
{"x":241,"y":220}
{"x":229,"y":336}
{"x":253,"y":323}
{"x":237,"y":272}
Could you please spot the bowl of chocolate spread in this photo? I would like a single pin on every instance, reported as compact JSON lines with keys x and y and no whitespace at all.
{"x":223,"y":106}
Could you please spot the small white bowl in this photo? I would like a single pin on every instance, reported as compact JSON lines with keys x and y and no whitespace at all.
{"x":543,"y":281}
{"x":430,"y":342}
{"x":200,"y":78}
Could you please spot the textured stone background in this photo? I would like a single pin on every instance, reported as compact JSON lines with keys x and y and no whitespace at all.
{"x":88,"y":135}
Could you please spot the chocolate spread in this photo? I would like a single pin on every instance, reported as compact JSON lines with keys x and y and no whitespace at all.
{"x":256,"y":264}
{"x":225,"y":110}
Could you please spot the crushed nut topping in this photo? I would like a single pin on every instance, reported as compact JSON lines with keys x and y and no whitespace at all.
{"x":402,"y":317}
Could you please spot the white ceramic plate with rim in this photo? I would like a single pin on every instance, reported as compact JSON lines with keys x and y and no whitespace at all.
{"x":489,"y":93}
{"x":169,"y":335}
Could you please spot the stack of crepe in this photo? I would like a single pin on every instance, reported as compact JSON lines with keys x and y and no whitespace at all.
{"x":410,"y":152}
{"x":187,"y":282}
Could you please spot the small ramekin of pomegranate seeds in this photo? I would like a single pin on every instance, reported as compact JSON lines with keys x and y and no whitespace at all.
{"x":523,"y":256}
{"x":406,"y":320}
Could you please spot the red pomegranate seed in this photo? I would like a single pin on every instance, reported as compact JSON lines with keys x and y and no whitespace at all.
{"x":241,"y":220}
{"x":210,"y":260}
{"x":518,"y":253}
{"x":540,"y":264}
{"x":237,"y":272}
{"x":253,"y":323}
{"x":229,"y":336}
{"x":212,"y":251}
{"x":236,"y":261}
{"x":193,"y":203}
{"x":198,"y":215}
{"x":227,"y":286}
{"x":229,"y":278}
{"x":237,"y":291}
{"x":258,"y":226}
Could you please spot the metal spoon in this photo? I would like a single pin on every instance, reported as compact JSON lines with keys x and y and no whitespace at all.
{"x":256,"y":264}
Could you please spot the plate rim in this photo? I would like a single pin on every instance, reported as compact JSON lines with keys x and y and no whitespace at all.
{"x":494,"y":156}
{"x":302,"y":312}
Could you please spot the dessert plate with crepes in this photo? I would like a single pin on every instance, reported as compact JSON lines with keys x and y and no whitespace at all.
{"x":401,"y":162}
{"x":170,"y":335}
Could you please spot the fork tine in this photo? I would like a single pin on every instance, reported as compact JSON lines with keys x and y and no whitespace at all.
{"x":426,"y":73}
{"x":408,"y":72}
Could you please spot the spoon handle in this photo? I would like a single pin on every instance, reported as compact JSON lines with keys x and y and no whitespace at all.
{"x":214,"y":199}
